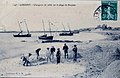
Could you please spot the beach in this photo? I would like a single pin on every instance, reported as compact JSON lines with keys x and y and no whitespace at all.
{"x":94,"y":61}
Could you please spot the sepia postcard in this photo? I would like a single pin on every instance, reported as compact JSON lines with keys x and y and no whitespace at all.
{"x":60,"y":38}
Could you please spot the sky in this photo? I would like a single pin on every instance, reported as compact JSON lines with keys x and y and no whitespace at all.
{"x":78,"y":16}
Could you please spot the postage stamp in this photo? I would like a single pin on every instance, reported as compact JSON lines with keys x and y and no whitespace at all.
{"x":109,"y":9}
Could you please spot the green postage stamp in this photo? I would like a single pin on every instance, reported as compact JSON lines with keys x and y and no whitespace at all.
{"x":109,"y":10}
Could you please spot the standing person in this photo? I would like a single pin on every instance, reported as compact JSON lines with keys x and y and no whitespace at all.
{"x":65,"y":48}
{"x":75,"y":53}
{"x":58,"y":55}
{"x":52,"y":50}
{"x":38,"y":52}
{"x":48,"y":54}
{"x":26,"y":60}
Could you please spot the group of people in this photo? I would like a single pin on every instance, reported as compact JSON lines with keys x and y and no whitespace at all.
{"x":50,"y":53}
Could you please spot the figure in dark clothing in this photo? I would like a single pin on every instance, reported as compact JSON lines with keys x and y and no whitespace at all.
{"x":75,"y":53}
{"x":38,"y":52}
{"x":52,"y":50}
{"x":58,"y":54}
{"x":26,"y":60}
{"x":65,"y":48}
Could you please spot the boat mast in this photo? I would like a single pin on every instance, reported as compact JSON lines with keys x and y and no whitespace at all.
{"x":63,"y":27}
{"x":26,"y":26}
{"x":20,"y":27}
{"x":43,"y":26}
{"x":69,"y":27}
{"x":50,"y":28}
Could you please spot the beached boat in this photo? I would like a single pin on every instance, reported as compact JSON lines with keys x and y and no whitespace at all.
{"x":65,"y":33}
{"x":76,"y":31}
{"x":21,"y":34}
{"x":45,"y":36}
{"x":24,"y":35}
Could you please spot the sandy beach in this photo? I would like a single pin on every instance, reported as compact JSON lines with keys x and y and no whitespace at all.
{"x":95,"y":60}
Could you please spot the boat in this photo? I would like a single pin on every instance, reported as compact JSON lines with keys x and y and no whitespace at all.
{"x":45,"y":36}
{"x":24,"y":35}
{"x":65,"y":33}
{"x":76,"y":31}
{"x":20,"y":34}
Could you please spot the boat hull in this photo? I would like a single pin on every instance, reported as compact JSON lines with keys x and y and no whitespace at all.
{"x":24,"y":35}
{"x":66,"y":34}
{"x":76,"y":32}
{"x":46,"y":38}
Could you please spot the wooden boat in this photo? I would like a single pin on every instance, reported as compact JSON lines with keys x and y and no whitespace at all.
{"x":24,"y":35}
{"x":66,"y":34}
{"x":69,"y":33}
{"x":21,"y":34}
{"x":45,"y":36}
{"x":76,"y":31}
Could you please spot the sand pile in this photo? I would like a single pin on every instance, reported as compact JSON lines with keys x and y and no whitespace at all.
{"x":112,"y":71}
